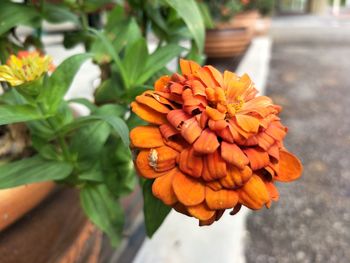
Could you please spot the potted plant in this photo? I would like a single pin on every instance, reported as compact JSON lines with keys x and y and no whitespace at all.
{"x":224,"y":37}
{"x":87,"y":153}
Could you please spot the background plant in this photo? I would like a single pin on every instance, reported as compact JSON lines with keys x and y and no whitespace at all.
{"x":91,"y":153}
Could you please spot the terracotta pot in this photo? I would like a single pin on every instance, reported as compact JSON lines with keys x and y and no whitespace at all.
{"x":56,"y":231}
{"x":15,"y":202}
{"x":226,"y":42}
{"x":262,"y":26}
{"x":246,"y":19}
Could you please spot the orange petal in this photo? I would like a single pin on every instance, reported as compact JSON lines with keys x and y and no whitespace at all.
{"x":190,"y":130}
{"x":197,"y":87}
{"x":228,"y":77}
{"x":222,"y":199}
{"x":147,"y":114}
{"x":146,"y":137}
{"x":215,"y":185}
{"x":290,"y":167}
{"x":176,"y":88}
{"x":201,"y":211}
{"x":162,"y":159}
{"x":189,"y":99}
{"x":258,"y":158}
{"x":152,"y":103}
{"x":188,"y":190}
{"x":178,"y":144}
{"x":216,"y":75}
{"x":203,"y":119}
{"x":231,"y":153}
{"x":162,"y":84}
{"x":226,"y":134}
{"x":167,"y":130}
{"x":235,"y":177}
{"x":188,"y":67}
{"x":162,"y":188}
{"x":143,"y":167}
{"x":190,"y":164}
{"x":254,"y":194}
{"x":273,"y":191}
{"x":206,"y":77}
{"x":217,"y":125}
{"x":177,"y":118}
{"x":264,"y":140}
{"x":214,"y":167}
{"x":214,"y":114}
{"x":259,"y":105}
{"x":248,"y":123}
{"x":206,"y":143}
{"x":278,"y":132}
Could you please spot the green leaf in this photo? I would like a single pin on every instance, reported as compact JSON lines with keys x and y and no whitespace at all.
{"x":34,"y":169}
{"x":190,"y":13}
{"x":13,"y":14}
{"x":118,"y":125}
{"x":154,"y":210}
{"x":88,"y":142}
{"x":59,"y":82}
{"x":208,"y":21}
{"x":112,"y":52}
{"x":157,"y":60}
{"x":58,"y":14}
{"x":18,"y":113}
{"x":133,"y":54}
{"x":88,"y":104}
{"x":103,"y":210}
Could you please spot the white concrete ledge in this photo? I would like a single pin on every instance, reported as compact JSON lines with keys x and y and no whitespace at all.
{"x":180,"y":239}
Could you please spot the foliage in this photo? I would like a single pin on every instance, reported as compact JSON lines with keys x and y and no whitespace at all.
{"x":92,"y":152}
{"x":223,"y":10}
{"x":265,"y":7}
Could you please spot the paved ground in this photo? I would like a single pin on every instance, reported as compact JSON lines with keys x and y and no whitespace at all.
{"x":310,"y":78}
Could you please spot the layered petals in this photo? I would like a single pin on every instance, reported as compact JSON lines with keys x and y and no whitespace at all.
{"x":213,"y":143}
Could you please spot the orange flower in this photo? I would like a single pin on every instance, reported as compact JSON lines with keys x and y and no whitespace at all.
{"x":212,"y":144}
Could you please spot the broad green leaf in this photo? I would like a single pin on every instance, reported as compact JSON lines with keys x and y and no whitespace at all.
{"x":154,"y":210}
{"x":157,"y":60}
{"x":118,"y":125}
{"x":207,"y":19}
{"x":103,"y":210}
{"x":18,"y":113}
{"x":59,"y":82}
{"x":190,"y":13}
{"x":111,"y":110}
{"x":31,"y":170}
{"x":88,"y":141}
{"x":115,"y":56}
{"x":58,"y":14}
{"x":13,"y":14}
{"x":133,"y":66}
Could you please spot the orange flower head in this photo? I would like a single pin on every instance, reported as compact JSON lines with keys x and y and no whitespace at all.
{"x":211,"y":144}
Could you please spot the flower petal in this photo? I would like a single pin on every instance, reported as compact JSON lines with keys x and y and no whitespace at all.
{"x":143,"y":168}
{"x":214,"y":114}
{"x":264,"y":140}
{"x":190,"y":130}
{"x":177,"y":118}
{"x":235,"y":177}
{"x":188,"y":67}
{"x":214,"y":167}
{"x":273,"y":191}
{"x":290,"y":167}
{"x":258,"y":158}
{"x":254,"y":194}
{"x":148,"y":114}
{"x":201,"y":211}
{"x":167,"y":130}
{"x":206,"y":143}
{"x":190,"y":164}
{"x":189,"y":191}
{"x":162,"y":84}
{"x":222,"y":199}
{"x":162,"y":188}
{"x":217,"y":125}
{"x":231,"y":153}
{"x":146,"y":137}
{"x":162,"y":158}
{"x":152,"y":103}
{"x":248,"y":123}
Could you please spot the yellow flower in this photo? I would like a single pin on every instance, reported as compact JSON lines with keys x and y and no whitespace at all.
{"x":27,"y":66}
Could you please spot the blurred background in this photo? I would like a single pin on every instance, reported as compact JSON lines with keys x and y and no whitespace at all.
{"x":298,"y":53}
